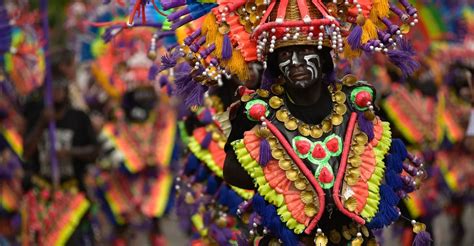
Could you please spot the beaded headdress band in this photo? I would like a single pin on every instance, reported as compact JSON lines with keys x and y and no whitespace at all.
{"x":232,"y":34}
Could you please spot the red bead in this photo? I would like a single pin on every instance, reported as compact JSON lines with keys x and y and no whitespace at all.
{"x":363,"y":98}
{"x":319,"y":152}
{"x":325,"y":176}
{"x":333,"y":145}
{"x":257,"y":111}
{"x":303,"y":146}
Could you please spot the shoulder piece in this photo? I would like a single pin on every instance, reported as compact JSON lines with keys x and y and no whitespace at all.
{"x":277,"y":179}
{"x":361,"y":94}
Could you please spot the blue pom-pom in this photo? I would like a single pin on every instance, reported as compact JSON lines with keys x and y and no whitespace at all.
{"x":387,"y":194}
{"x":393,"y":179}
{"x":393,"y":162}
{"x":233,"y":201}
{"x":212,"y":185}
{"x":398,"y":148}
{"x":202,"y":174}
{"x":191,"y":165}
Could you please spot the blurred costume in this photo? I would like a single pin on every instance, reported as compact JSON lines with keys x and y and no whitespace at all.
{"x":10,"y":174}
{"x":206,"y":204}
{"x":135,"y":180}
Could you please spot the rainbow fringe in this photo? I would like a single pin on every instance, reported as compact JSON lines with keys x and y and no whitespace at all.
{"x":14,"y":140}
{"x":9,"y":201}
{"x":69,"y":222}
{"x":157,"y":201}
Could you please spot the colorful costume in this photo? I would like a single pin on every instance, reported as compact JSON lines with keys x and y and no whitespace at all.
{"x":348,"y":166}
{"x":207,"y":205}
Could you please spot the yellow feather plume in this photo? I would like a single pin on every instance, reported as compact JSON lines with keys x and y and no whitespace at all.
{"x":369,"y":31}
{"x":237,"y":65}
{"x":381,"y":8}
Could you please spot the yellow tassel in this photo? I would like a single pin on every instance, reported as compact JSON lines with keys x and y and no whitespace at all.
{"x":237,"y":65}
{"x":209,"y":27}
{"x":381,"y":8}
{"x":349,"y":53}
{"x":369,"y":31}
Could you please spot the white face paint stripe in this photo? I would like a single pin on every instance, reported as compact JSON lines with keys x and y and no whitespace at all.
{"x":284,"y":67}
{"x":313,"y":70}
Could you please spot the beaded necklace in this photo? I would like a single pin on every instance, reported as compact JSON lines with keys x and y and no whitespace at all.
{"x":314,"y":130}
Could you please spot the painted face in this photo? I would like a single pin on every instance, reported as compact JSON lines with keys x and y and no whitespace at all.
{"x":300,"y":65}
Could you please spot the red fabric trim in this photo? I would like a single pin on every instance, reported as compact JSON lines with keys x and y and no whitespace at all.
{"x":303,"y":7}
{"x":267,"y":13}
{"x":342,"y":168}
{"x":307,"y":173}
{"x":321,"y":7}
{"x":281,"y":13}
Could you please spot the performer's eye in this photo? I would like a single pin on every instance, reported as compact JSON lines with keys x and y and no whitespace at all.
{"x":307,"y":51}
{"x":285,"y":55}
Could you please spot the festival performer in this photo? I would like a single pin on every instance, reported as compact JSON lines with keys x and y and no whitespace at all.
{"x":324,"y":166}
{"x":206,"y":205}
{"x":139,"y":148}
{"x":76,"y":147}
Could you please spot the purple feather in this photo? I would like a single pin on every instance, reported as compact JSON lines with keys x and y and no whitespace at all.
{"x":365,"y":125}
{"x":265,"y":153}
{"x":422,"y":239}
{"x":183,"y":81}
{"x":404,"y":61}
{"x":196,"y":96}
{"x":226,"y":48}
{"x":169,"y":60}
{"x":354,"y":37}
{"x":152,"y":72}
{"x":405,"y":46}
{"x":164,"y":81}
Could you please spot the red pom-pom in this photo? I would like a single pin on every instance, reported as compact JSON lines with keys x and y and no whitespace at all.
{"x":319,"y":152}
{"x":363,"y":98}
{"x":325,"y":176}
{"x":257,"y":111}
{"x":333,"y":145}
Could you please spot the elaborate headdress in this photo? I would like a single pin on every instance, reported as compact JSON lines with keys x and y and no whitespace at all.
{"x":21,"y":53}
{"x":234,"y":33}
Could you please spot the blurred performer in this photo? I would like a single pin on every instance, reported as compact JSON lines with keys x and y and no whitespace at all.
{"x":135,"y":183}
{"x":76,"y":147}
{"x":138,"y":150}
{"x":206,"y":204}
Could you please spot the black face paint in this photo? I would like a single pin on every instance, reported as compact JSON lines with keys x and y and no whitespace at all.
{"x":300,"y":65}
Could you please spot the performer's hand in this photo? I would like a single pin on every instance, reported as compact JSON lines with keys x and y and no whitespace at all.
{"x":47,"y":116}
{"x":63,"y":154}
